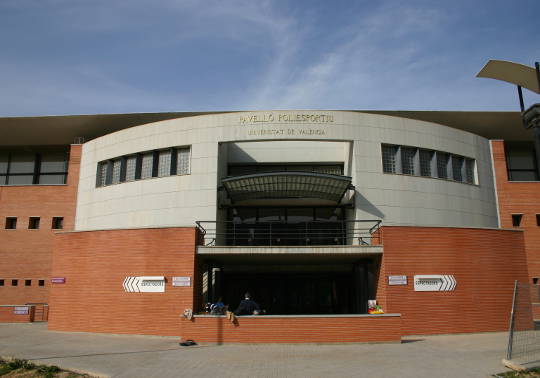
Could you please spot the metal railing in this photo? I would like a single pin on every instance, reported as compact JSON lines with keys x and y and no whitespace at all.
{"x":229,"y":233}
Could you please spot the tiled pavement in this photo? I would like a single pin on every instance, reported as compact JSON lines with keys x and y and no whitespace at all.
{"x":472,"y":355}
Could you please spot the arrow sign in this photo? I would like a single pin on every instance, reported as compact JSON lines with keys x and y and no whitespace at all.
{"x":434,"y":282}
{"x":144,"y":284}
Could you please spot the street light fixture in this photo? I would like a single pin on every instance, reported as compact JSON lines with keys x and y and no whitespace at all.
{"x":523,"y":77}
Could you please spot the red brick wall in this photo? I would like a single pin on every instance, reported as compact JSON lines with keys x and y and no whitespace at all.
{"x":519,"y":198}
{"x":27,"y":254}
{"x":293,"y":329}
{"x":7,"y":315}
{"x":484,"y":262}
{"x":95,"y":264}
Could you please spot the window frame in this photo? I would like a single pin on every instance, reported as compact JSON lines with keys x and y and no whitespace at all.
{"x":153,"y":166}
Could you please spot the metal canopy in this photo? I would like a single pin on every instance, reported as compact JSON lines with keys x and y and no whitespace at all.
{"x":275,"y":185}
{"x":511,"y":72}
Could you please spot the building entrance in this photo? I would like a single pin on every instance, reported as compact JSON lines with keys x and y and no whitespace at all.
{"x":296,"y":290}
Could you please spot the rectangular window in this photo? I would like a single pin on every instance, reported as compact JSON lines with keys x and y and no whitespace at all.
{"x":1,"y":282}
{"x":538,"y":219}
{"x":53,"y":168}
{"x":407,"y":160}
{"x":14,"y":282}
{"x":131,"y":164}
{"x":442,"y":165}
{"x":182,"y":162}
{"x":102,"y":174}
{"x":11,"y":223}
{"x":521,"y":161}
{"x":469,"y":171}
{"x":53,"y":162}
{"x":22,"y":162}
{"x":389,"y":158}
{"x":164,"y":167}
{"x":33,"y":166}
{"x":457,"y":167}
{"x":57,"y":223}
{"x":33,"y":223}
{"x":41,"y":283}
{"x":20,"y":179}
{"x":425,"y":162}
{"x":4,"y":158}
{"x":116,"y":165}
{"x":27,"y":282}
{"x":146,"y":169}
{"x":516,"y":219}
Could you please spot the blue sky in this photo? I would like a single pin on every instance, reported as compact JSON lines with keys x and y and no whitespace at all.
{"x":118,"y":56}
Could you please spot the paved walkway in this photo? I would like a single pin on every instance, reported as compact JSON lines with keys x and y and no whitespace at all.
{"x":476,"y":355}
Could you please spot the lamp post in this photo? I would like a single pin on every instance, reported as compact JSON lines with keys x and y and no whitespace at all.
{"x":526,"y":77}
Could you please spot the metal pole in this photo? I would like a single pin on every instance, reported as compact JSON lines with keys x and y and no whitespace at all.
{"x":537,"y":65}
{"x":536,"y":133}
{"x":521,"y":103}
{"x":511,"y":328}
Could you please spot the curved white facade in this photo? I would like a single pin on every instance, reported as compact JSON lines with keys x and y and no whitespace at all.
{"x":352,"y":138}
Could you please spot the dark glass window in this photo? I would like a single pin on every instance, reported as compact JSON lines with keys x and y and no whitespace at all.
{"x":1,"y":282}
{"x":457,"y":166}
{"x":516,"y":219}
{"x":34,"y":166}
{"x":41,"y":283}
{"x":33,"y":223}
{"x":442,"y":165}
{"x":469,"y":171}
{"x":58,"y":223}
{"x":14,"y":282}
{"x":521,"y":161}
{"x":27,"y":282}
{"x":425,"y":162}
{"x":11,"y":223}
{"x":538,"y":219}
{"x":250,"y":169}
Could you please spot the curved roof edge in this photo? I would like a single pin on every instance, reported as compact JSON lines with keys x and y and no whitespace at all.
{"x":57,"y":130}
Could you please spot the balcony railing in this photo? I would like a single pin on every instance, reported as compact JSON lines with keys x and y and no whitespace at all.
{"x":315,"y":233}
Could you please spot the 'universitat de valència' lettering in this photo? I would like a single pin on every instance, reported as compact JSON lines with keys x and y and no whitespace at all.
{"x":288,"y":118}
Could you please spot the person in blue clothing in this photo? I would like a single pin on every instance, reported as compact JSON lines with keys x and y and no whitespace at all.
{"x":247,"y":306}
{"x":218,"y":308}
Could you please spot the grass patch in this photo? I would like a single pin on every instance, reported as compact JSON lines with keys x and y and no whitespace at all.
{"x":25,"y":369}
{"x":531,"y":373}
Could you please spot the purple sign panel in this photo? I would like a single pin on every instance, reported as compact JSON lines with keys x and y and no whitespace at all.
{"x":58,"y":280}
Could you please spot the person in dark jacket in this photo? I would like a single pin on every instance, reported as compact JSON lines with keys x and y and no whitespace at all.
{"x":247,"y":306}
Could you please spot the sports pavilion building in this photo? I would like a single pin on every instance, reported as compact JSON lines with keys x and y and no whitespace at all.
{"x":120,"y":223}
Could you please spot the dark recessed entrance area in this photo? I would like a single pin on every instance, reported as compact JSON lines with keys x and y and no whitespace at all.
{"x":294,"y":289}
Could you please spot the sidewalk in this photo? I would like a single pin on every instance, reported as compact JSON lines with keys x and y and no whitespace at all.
{"x":471,"y":355}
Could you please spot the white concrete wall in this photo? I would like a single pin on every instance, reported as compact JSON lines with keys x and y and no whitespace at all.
{"x":181,"y":200}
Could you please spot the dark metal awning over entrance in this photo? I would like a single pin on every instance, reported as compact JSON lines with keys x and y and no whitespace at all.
{"x":274,"y":185}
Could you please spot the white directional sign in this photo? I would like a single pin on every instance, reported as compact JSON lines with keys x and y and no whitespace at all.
{"x":434,"y":282}
{"x":144,"y":284}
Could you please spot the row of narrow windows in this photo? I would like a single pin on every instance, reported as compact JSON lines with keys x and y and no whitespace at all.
{"x":517,"y":218}
{"x":158,"y":163}
{"x":34,"y":166}
{"x":34,"y":223}
{"x":428,"y":163}
{"x":15,"y":282}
